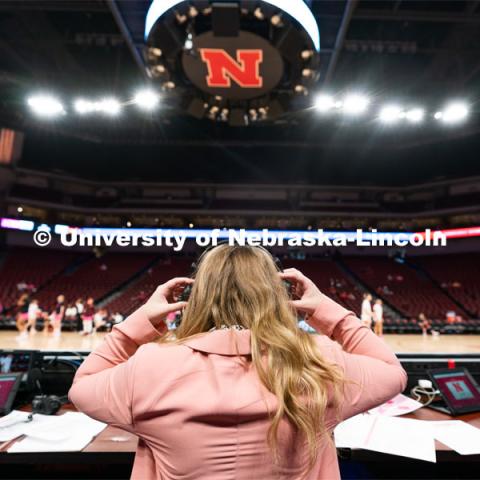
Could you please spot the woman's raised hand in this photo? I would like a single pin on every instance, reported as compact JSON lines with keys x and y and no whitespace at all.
{"x":309,"y":296}
{"x":165,"y":299}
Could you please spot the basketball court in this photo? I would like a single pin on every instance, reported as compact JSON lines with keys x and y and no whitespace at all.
{"x":403,"y":343}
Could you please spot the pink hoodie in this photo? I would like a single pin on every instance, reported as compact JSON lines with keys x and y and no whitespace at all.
{"x":199,"y":409}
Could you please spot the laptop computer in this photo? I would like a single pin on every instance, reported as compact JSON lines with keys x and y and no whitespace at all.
{"x":9,"y":384}
{"x":459,"y":391}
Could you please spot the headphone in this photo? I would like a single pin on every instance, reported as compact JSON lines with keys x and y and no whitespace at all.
{"x":185,"y":295}
{"x":275,"y":259}
{"x":44,"y":404}
{"x":47,"y":404}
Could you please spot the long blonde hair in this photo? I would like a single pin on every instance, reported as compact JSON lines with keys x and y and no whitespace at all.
{"x":236,"y":285}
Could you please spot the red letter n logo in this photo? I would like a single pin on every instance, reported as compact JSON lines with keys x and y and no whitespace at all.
{"x":222,"y":68}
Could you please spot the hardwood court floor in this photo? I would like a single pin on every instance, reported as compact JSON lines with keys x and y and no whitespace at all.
{"x":399,"y":343}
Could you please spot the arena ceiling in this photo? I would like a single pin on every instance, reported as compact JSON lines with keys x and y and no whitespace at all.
{"x":423,"y":51}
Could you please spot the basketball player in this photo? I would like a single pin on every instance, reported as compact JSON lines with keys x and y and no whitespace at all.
{"x":79,"y":306}
{"x":58,"y":315}
{"x":424,"y":324}
{"x":22,"y":314}
{"x":100,"y":319}
{"x":378,"y":317}
{"x":366,"y":315}
{"x":87,"y":317}
{"x":33,"y":311}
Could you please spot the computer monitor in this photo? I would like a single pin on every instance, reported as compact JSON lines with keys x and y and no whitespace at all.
{"x":458,"y":389}
{"x":9,"y":384}
{"x":16,"y":361}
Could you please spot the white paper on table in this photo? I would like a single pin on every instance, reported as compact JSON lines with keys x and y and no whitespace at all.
{"x":30,"y":444}
{"x":395,"y":436}
{"x":399,"y":405}
{"x":15,"y":424}
{"x":402,"y":436}
{"x":459,"y":436}
{"x":69,"y":432}
{"x":61,"y":427}
{"x":353,"y":432}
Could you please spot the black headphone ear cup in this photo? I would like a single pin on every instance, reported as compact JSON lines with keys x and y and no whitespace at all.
{"x":185,"y":295}
{"x":278,"y":263}
{"x":288,"y":287}
{"x":54,"y":404}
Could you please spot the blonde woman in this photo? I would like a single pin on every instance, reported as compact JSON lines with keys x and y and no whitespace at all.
{"x":238,"y":390}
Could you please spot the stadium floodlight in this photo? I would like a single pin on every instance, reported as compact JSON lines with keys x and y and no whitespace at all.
{"x":110,"y":106}
{"x":324,"y":103}
{"x":415,"y":115}
{"x":188,"y":45}
{"x":45,"y":105}
{"x":390,"y":114}
{"x":355,"y":104}
{"x":83,"y":106}
{"x":146,"y":99}
{"x":455,"y":112}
